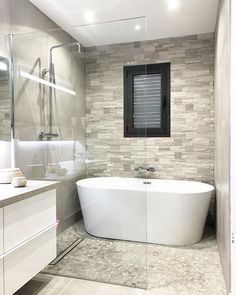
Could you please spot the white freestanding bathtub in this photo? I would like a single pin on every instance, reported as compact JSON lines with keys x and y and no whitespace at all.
{"x":170,"y":212}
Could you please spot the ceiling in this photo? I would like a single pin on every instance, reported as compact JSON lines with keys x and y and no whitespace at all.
{"x":98,"y":22}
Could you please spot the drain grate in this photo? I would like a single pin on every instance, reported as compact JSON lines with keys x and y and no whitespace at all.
{"x":65,"y":252}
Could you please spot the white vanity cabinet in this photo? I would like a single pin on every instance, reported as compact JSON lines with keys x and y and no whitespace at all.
{"x":24,"y":219}
{"x":29,"y":230}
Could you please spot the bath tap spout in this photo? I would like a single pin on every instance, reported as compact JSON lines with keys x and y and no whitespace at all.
{"x":144,"y":169}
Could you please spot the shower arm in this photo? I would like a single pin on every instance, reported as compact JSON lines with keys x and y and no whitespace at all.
{"x":58,"y":46}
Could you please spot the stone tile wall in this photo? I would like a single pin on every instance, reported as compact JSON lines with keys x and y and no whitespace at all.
{"x":188,"y":153}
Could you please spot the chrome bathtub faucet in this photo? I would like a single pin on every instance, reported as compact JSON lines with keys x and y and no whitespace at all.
{"x":144,"y":169}
{"x":44,"y":135}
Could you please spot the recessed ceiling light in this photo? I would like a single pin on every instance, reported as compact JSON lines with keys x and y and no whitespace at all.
{"x":137,"y":27}
{"x":173,"y":4}
{"x":89,"y":16}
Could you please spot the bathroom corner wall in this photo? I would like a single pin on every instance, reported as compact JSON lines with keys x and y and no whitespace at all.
{"x":4,"y":26}
{"x":222,"y":135}
{"x":15,"y":17}
{"x":188,"y":153}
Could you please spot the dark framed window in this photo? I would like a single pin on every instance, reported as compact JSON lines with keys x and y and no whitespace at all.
{"x":147,"y":100}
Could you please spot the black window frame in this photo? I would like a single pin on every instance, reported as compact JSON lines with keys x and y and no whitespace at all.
{"x":129,"y":72}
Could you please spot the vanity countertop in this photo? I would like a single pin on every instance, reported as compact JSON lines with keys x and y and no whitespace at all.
{"x":10,"y":194}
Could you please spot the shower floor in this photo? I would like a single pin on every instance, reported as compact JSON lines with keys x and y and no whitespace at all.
{"x":181,"y":270}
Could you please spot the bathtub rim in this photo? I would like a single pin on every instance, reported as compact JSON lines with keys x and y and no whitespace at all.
{"x":83,"y":184}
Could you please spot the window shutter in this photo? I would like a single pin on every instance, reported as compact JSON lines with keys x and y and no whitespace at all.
{"x":147,"y":101}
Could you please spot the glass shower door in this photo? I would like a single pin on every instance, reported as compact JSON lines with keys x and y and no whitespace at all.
{"x":69,"y":125}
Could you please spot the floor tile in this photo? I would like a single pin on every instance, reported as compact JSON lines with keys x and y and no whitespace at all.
{"x":167,"y":270}
{"x":114,"y":262}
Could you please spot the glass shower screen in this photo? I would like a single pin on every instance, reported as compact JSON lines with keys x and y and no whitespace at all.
{"x":69,"y":125}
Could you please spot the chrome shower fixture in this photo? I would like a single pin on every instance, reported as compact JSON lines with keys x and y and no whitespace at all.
{"x":61,"y":45}
{"x":50,"y":68}
{"x":52,"y":79}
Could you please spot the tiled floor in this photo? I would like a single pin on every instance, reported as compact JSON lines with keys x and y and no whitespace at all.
{"x":66,"y":238}
{"x":114,"y":262}
{"x":188,"y":270}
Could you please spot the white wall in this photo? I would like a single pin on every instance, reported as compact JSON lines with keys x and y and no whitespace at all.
{"x":233,"y":145}
{"x":222,"y":135}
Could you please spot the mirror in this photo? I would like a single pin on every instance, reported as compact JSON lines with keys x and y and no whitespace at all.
{"x":5,"y":101}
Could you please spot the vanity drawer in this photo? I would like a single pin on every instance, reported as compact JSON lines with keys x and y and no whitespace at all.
{"x":22,"y":263}
{"x":1,"y":231}
{"x":1,"y":276}
{"x":28,"y":217}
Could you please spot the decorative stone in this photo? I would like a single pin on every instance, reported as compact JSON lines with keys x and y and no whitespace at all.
{"x":19,"y":181}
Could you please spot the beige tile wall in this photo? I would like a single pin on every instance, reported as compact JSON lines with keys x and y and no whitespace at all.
{"x":5,"y":124}
{"x":16,"y":17}
{"x":5,"y":119}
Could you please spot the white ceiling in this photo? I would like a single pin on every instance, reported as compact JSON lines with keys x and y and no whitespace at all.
{"x":155,"y":18}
